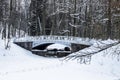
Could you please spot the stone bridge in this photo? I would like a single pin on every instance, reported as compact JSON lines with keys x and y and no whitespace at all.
{"x":30,"y":43}
{"x":67,"y":40}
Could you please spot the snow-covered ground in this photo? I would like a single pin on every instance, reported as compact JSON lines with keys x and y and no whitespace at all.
{"x":20,"y":64}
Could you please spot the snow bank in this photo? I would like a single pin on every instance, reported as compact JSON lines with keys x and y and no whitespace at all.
{"x":20,"y":64}
{"x":56,"y":46}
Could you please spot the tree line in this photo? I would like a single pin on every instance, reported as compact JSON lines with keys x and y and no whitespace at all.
{"x":80,"y":18}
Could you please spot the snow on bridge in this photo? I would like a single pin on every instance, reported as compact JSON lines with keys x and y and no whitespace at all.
{"x":66,"y":40}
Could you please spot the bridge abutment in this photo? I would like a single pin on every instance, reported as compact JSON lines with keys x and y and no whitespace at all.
{"x":76,"y":47}
{"x":25,"y":45}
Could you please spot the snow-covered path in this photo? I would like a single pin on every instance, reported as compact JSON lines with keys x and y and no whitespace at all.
{"x":20,"y":64}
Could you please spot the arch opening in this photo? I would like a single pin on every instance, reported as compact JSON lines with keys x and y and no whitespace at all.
{"x":42,"y":46}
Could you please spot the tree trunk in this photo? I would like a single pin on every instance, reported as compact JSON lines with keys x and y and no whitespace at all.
{"x":109,"y":20}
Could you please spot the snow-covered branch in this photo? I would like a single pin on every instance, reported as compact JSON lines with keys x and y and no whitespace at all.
{"x":84,"y":56}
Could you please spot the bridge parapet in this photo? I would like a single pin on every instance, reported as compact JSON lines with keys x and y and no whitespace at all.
{"x":36,"y":38}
